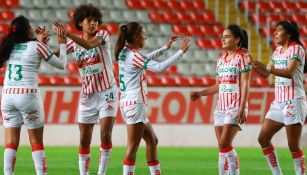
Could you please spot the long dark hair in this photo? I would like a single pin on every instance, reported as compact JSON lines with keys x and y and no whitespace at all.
{"x":127,"y":33}
{"x":18,"y":33}
{"x":292,"y":29}
{"x":237,"y":32}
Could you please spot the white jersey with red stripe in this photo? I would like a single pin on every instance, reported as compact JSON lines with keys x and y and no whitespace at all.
{"x":288,"y":89}
{"x":132,"y":75}
{"x":23,"y":65}
{"x":95,"y":65}
{"x":229,"y":75}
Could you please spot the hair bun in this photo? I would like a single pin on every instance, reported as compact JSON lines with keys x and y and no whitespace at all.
{"x":123,"y":28}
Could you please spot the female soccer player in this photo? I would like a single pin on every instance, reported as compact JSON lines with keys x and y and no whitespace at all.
{"x":21,"y":102}
{"x":232,"y":86}
{"x":289,"y":107}
{"x":132,"y":76}
{"x":99,"y":95}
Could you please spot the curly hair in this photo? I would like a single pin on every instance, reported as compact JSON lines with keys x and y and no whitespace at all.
{"x":86,"y":11}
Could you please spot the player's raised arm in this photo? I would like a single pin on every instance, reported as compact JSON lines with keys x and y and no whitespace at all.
{"x":159,"y":52}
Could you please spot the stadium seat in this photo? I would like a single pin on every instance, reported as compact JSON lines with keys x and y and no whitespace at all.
{"x":53,"y":4}
{"x":195,"y":81}
{"x":199,"y":4}
{"x":182,"y":81}
{"x":168,"y":81}
{"x":290,"y":6}
{"x":217,"y":43}
{"x":156,"y":17}
{"x":219,"y":29}
{"x":47,"y":14}
{"x":172,"y":17}
{"x":133,"y":4}
{"x":43,"y":80}
{"x":196,"y":30}
{"x":180,"y":30}
{"x":35,"y":15}
{"x":189,"y":5}
{"x":301,"y":5}
{"x":172,"y":70}
{"x":207,"y":81}
{"x":260,"y":82}
{"x":112,"y":28}
{"x":40,"y":4}
{"x":207,"y":30}
{"x":57,"y":80}
{"x":264,"y":7}
{"x":26,"y":4}
{"x":12,"y":3}
{"x":199,"y":17}
{"x":7,"y":15}
{"x":154,"y":81}
{"x":174,"y":5}
{"x":303,"y":30}
{"x":250,"y":6}
{"x":72,"y":67}
{"x":4,"y":27}
{"x":72,"y":80}
{"x":300,"y":18}
{"x":209,"y":16}
{"x":149,"y":4}
{"x":161,"y":4}
{"x":277,"y":6}
{"x":204,"y":43}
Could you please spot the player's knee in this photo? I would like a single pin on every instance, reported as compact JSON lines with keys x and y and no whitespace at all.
{"x":106,"y":136}
{"x":263,"y":141}
{"x":293,"y":146}
{"x":223,"y":143}
{"x":85,"y":141}
{"x":156,"y":141}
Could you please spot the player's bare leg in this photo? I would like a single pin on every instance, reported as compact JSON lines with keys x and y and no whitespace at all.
{"x":12,"y":136}
{"x":135,"y":134}
{"x":86,"y":131}
{"x":226,"y":150}
{"x":151,"y":150}
{"x":106,"y":127}
{"x":38,"y":151}
{"x":268,"y":130}
{"x":223,"y":163}
{"x":294,"y":133}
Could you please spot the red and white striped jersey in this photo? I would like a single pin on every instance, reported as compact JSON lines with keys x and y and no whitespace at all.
{"x":23,"y":65}
{"x":229,"y":75}
{"x":289,"y":89}
{"x":95,"y":65}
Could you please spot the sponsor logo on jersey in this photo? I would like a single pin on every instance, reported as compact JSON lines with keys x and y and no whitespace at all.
{"x":227,"y":70}
{"x":280,"y":62}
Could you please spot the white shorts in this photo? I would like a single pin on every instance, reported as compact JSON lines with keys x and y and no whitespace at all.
{"x":98,"y":105}
{"x":223,"y":117}
{"x":288,"y":113}
{"x":19,"y":109}
{"x":135,"y":113}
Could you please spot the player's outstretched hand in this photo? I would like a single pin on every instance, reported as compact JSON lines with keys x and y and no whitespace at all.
{"x":171,"y":40}
{"x":43,"y":34}
{"x":61,"y":36}
{"x":185,"y":43}
{"x":195,"y":96}
{"x":58,"y":25}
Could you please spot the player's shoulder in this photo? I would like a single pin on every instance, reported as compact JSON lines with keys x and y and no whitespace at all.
{"x":295,"y":45}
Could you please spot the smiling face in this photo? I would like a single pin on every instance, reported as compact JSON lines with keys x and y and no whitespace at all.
{"x":280,"y":35}
{"x":89,"y":25}
{"x":229,"y":42}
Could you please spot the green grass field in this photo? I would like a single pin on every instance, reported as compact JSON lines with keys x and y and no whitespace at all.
{"x":174,"y":161}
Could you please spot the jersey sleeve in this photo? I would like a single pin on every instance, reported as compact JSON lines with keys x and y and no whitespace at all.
{"x":139,"y":61}
{"x":70,"y":46}
{"x":44,"y":51}
{"x":103,"y":35}
{"x":245,"y":63}
{"x":297,"y":53}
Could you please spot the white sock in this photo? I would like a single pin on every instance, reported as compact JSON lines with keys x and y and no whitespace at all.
{"x":271,"y":158}
{"x":128,"y":167}
{"x":84,"y":161}
{"x":154,"y":168}
{"x":299,"y":162}
{"x":233,"y":161}
{"x":39,"y":158}
{"x":105,"y":150}
{"x":223,"y":164}
{"x":9,"y":159}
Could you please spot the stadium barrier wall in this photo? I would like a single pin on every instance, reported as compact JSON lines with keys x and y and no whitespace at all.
{"x":177,"y":120}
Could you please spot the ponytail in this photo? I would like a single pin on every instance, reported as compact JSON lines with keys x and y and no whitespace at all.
{"x":121,"y":41}
{"x":244,"y":40}
{"x":127,"y":34}
{"x":18,"y":33}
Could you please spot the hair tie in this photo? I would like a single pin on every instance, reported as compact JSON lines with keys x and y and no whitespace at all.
{"x":124,"y":28}
{"x":12,"y":29}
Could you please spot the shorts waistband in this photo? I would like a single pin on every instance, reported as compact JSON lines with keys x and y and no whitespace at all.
{"x":19,"y":91}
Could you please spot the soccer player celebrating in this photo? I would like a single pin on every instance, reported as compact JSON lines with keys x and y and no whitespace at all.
{"x":289,"y":107}
{"x":99,"y":95}
{"x":21,"y":102}
{"x":232,"y":86}
{"x":132,"y":76}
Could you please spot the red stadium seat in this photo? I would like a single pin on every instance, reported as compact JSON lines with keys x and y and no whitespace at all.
{"x":262,"y":81}
{"x":168,"y":81}
{"x":13,"y":3}
{"x":209,"y":16}
{"x":185,"y":17}
{"x":204,"y":43}
{"x":277,"y":6}
{"x":286,"y":17}
{"x":207,"y":81}
{"x":172,"y":70}
{"x":3,"y":4}
{"x":4,"y":28}
{"x":264,"y":31}
{"x":72,"y":80}
{"x":208,"y":30}
{"x":182,"y":81}
{"x":112,"y":28}
{"x":195,"y":81}
{"x":304,"y":30}
{"x":57,"y":80}
{"x":264,"y":7}
{"x":290,"y":6}
{"x":72,"y":67}
{"x":199,"y":4}
{"x":218,"y":29}
{"x":174,"y":5}
{"x":300,"y":18}
{"x":132,"y":4}
{"x":217,"y":43}
{"x":189,"y":5}
{"x":301,"y":5}
{"x":154,"y":81}
{"x":156,"y":17}
{"x":251,"y":6}
{"x":161,"y":4}
{"x":149,"y":4}
{"x":196,"y":30}
{"x":171,"y":17}
{"x":180,"y":30}
{"x":7,"y":15}
{"x":44,"y":80}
